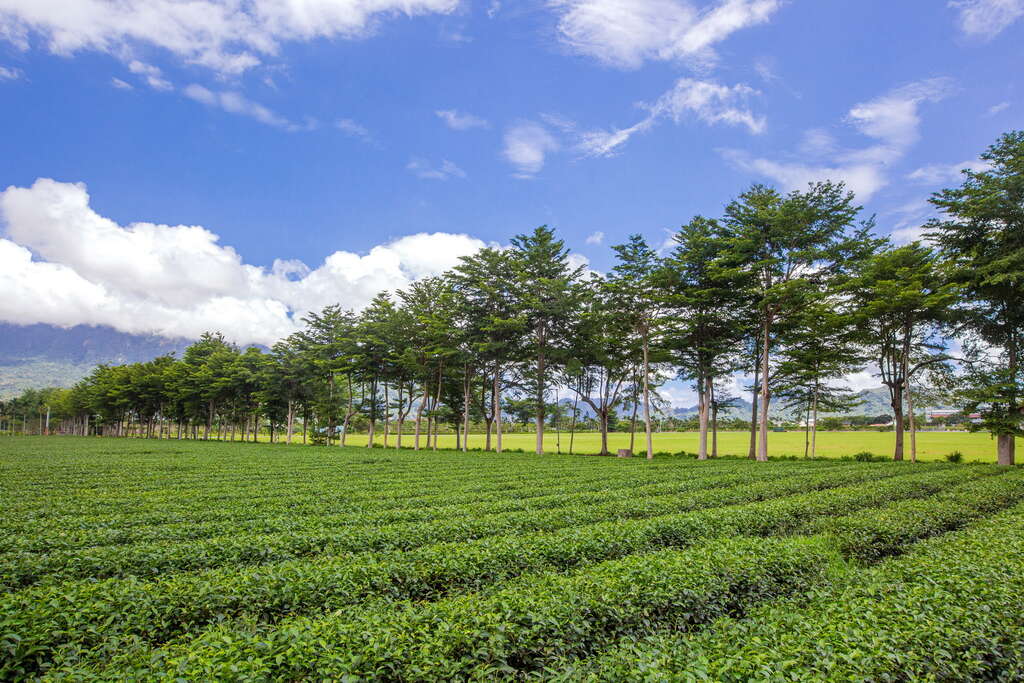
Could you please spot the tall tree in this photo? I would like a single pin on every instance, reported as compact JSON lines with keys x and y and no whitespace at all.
{"x":702,"y":290}
{"x":790,"y":244}
{"x":633,"y":285}
{"x":980,"y":238}
{"x":901,"y":299}
{"x":544,"y":285}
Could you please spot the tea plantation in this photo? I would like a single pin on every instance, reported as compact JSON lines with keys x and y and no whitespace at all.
{"x":125,"y":559}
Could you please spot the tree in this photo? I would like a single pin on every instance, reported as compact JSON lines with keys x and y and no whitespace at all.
{"x":787,"y":245}
{"x":703,"y":292}
{"x":901,"y":300}
{"x":980,"y":239}
{"x":545,"y":293}
{"x":632,"y":283}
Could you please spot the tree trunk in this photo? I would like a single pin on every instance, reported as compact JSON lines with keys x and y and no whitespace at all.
{"x":897,"y":408}
{"x":209,"y":422}
{"x":632,"y":425}
{"x":291,"y":421}
{"x":604,"y":431}
{"x":1005,"y":449}
{"x":369,"y":439}
{"x":465,"y":410}
{"x":702,"y":412}
{"x":647,"y":402}
{"x":419,"y":416}
{"x":572,"y":422}
{"x":754,"y":389}
{"x":497,"y":411}
{"x":437,"y":402}
{"x":540,"y":395}
{"x":714,"y":419}
{"x":762,"y":449}
{"x":807,"y":430}
{"x":401,"y":413}
{"x":913,"y":422}
{"x":814,"y":429}
{"x":387,"y":415}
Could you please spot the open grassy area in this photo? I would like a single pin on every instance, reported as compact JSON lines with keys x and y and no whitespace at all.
{"x":930,"y":445}
{"x":124,"y":559}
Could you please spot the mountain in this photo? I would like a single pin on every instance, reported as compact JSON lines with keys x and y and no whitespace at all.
{"x":36,"y":356}
{"x":872,"y":402}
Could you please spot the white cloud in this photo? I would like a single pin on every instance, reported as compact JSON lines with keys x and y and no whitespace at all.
{"x":494,"y":8}
{"x":424,"y":169}
{"x":121,"y":85}
{"x":910,"y":219}
{"x":228,"y":36}
{"x":595,"y":238}
{"x":997,"y":108}
{"x":985,"y":19}
{"x":526,"y":145}
{"x":353,"y":129}
{"x":63,"y":264}
{"x":626,"y":33}
{"x":461,"y":121}
{"x":8,"y":73}
{"x":153,"y":75}
{"x":937,"y":174}
{"x":236,"y":103}
{"x":708,"y":101}
{"x":891,"y":120}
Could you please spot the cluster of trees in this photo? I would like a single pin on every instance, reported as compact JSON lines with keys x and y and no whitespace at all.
{"x":793,"y":290}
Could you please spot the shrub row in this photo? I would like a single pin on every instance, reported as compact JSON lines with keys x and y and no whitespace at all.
{"x":56,"y":535}
{"x":516,"y":629}
{"x":949,"y":610}
{"x":47,"y":620}
{"x":154,"y":559}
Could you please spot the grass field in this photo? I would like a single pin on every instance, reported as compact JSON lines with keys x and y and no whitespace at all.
{"x":125,"y":559}
{"x":930,"y":445}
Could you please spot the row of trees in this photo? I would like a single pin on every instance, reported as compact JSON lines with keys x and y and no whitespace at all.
{"x":792,"y":290}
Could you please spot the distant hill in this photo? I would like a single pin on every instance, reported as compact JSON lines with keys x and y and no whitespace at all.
{"x":36,"y":356}
{"x":873,"y":402}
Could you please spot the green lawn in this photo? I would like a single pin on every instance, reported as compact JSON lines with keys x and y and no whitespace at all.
{"x":930,"y":445}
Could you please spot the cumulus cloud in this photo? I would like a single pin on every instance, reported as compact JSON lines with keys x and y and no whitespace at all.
{"x":8,"y":73}
{"x":527,"y":144}
{"x":891,"y":121}
{"x":61,"y":263}
{"x":121,"y":85}
{"x":237,"y":103}
{"x":424,"y":169}
{"x":595,"y":238}
{"x":626,"y":33}
{"x":706,"y":101}
{"x":461,"y":121}
{"x":985,"y":19}
{"x":225,"y":35}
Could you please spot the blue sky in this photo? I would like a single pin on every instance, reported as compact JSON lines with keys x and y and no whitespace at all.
{"x":172,"y":167}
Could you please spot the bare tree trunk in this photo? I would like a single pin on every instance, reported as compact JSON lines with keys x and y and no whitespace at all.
{"x":807,"y":430}
{"x":419,"y":416}
{"x":291,"y":421}
{"x":437,"y":402}
{"x":1005,"y":449}
{"x":702,"y":413}
{"x":897,"y":408}
{"x":387,"y":415}
{"x":465,"y":410}
{"x":572,"y":423}
{"x":814,"y":431}
{"x":647,"y":401}
{"x":913,"y":422}
{"x":754,"y":389}
{"x":401,"y":414}
{"x":497,"y":410}
{"x":604,"y":431}
{"x":632,"y":425}
{"x":762,"y":450}
{"x":540,"y":395}
{"x":714,"y":419}
{"x":209,"y":422}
